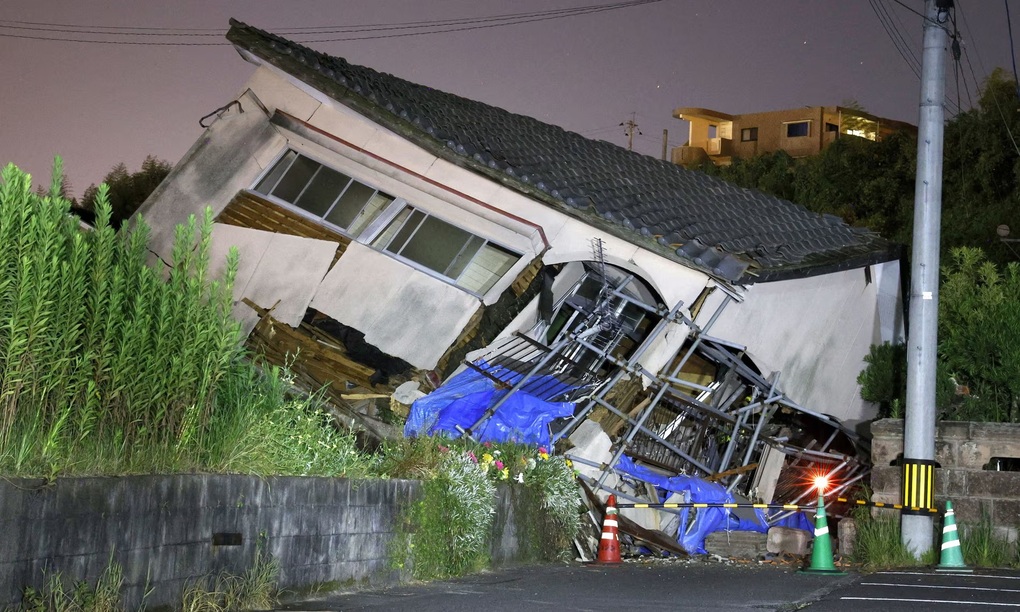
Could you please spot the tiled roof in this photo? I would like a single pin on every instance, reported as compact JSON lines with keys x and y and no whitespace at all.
{"x":739,"y":235}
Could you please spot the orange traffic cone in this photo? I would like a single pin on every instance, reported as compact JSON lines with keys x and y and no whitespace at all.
{"x":609,"y":545}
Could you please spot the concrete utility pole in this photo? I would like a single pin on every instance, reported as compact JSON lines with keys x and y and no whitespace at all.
{"x":922,"y":342}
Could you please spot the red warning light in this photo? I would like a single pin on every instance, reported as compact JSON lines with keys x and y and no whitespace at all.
{"x":821,"y":483}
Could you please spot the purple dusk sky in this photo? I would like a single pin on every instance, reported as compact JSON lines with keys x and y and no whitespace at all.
{"x":99,"y":104}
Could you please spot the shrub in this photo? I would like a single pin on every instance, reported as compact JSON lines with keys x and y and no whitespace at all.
{"x":449,"y":529}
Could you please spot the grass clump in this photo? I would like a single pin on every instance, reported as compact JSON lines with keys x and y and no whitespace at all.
{"x":254,"y":590}
{"x":57,"y":596}
{"x":878,"y":544}
{"x":983,"y":548}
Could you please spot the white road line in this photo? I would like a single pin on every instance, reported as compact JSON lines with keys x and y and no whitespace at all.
{"x":934,"y":601}
{"x":937,"y":586}
{"x":947,"y":574}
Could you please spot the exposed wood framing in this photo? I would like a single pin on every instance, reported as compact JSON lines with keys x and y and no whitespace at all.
{"x":320,"y":360}
{"x":527,"y":275}
{"x":654,"y":539}
{"x":254,"y":212}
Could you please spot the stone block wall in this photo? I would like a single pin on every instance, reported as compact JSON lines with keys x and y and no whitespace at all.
{"x":964,"y":450}
{"x":168,"y":531}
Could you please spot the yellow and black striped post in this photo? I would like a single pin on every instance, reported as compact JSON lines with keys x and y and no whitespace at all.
{"x":918,"y":485}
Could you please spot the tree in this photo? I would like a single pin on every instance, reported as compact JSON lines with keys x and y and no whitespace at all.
{"x":129,"y":190}
{"x":979,"y":332}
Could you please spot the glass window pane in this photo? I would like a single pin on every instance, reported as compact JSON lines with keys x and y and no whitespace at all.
{"x":382,"y":241}
{"x":487,"y":267}
{"x":795,"y":130}
{"x":269,"y":181}
{"x":350,"y":204}
{"x":297,"y":177}
{"x":464,"y":257}
{"x":435,"y":245}
{"x":368,"y":214}
{"x":413,"y":221}
{"x":322,"y":191}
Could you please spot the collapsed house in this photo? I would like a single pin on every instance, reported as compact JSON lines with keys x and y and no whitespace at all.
{"x":391,"y":233}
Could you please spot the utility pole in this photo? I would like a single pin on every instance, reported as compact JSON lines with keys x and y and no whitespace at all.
{"x":629,"y":129}
{"x":665,"y":141}
{"x":922,"y":341}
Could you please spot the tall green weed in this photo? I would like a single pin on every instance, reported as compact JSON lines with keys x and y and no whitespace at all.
{"x":110,"y":365}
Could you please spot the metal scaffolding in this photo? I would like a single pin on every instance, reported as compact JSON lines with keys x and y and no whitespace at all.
{"x":719,"y":430}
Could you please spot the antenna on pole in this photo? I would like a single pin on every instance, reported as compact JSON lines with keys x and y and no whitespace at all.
{"x":630,"y":126}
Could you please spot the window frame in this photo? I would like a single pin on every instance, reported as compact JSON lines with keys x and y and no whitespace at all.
{"x":394,"y":200}
{"x":788,"y":124}
{"x":751,"y":132}
{"x":382,"y":220}
{"x":375,"y":231}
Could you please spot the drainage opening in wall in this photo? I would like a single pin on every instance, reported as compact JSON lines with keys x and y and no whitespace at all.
{"x":227,"y":539}
{"x":1004,"y":464}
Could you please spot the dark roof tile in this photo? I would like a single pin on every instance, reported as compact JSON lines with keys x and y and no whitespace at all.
{"x":737,"y":234}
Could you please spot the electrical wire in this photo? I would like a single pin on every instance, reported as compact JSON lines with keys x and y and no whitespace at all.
{"x":904,"y":48}
{"x":1012,"y":53}
{"x":422,"y":28}
{"x":993,"y":95}
{"x":899,"y":42}
{"x":317,"y":29}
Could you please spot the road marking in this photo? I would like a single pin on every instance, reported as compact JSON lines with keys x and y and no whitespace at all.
{"x":949,"y":574}
{"x":941,"y":601}
{"x":938,"y":586}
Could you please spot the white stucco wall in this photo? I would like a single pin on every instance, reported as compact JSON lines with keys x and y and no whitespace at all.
{"x":447,"y":189}
{"x":273,"y":269}
{"x":226,"y":158}
{"x":816,"y":331}
{"x":401,"y":311}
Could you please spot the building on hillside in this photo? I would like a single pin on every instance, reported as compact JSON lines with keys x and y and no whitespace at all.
{"x":719,"y":137}
{"x":391,"y":233}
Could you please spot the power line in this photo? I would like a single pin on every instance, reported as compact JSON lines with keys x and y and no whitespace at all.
{"x":899,"y":42}
{"x":991,"y":90}
{"x":422,"y":28}
{"x":903,"y":47}
{"x":319,"y":29}
{"x":1012,"y":53}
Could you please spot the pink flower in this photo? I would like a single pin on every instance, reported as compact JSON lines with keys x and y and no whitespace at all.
{"x":487,"y":444}
{"x":499,"y":465}
{"x":471,"y":456}
{"x":444,"y":449}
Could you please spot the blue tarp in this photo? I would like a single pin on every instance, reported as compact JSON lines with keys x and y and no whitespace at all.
{"x":463,"y":400}
{"x":691,"y":534}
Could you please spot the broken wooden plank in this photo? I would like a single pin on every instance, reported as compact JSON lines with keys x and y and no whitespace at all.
{"x":656,"y":539}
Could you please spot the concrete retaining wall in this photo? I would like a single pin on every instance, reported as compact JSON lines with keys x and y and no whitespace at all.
{"x":965,"y":451}
{"x":168,"y":531}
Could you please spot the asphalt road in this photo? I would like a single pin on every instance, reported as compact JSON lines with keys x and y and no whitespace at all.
{"x":634,"y":586}
{"x":690,"y":585}
{"x":926,"y":590}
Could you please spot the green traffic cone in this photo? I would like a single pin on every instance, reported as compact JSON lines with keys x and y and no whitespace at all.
{"x":821,"y":552}
{"x":951,"y":559}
